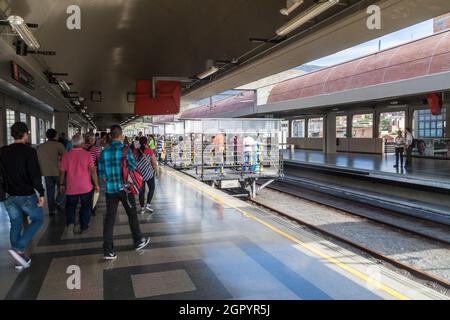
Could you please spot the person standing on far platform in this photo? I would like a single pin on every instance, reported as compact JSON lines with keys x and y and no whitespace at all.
{"x":409,"y":144}
{"x":399,"y":149}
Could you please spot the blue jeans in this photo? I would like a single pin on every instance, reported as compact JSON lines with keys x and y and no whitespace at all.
{"x":17,"y":207}
{"x":85,"y":210}
{"x":50,"y":184}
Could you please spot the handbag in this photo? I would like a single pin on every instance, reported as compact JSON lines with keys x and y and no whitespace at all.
{"x":145,"y":166}
{"x":131,"y":180}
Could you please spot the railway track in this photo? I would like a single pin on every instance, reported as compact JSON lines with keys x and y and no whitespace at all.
{"x":412,"y":270}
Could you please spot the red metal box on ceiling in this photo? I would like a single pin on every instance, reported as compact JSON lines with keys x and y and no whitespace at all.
{"x":167,"y":99}
{"x":435,"y":103}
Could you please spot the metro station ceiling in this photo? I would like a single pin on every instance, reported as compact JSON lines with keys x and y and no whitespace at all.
{"x":121,"y":41}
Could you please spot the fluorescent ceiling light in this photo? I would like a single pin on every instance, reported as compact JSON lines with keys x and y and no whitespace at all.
{"x":21,"y":28}
{"x":64,"y":86}
{"x":208,"y":72}
{"x":291,"y":6}
{"x":306,"y":16}
{"x":76,"y":102}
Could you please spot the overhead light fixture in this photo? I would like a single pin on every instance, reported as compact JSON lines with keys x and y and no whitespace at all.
{"x":306,"y":16}
{"x":76,"y":102}
{"x":21,"y":28}
{"x":212,"y":70}
{"x":261,"y":40}
{"x":64,"y":86}
{"x":291,"y":6}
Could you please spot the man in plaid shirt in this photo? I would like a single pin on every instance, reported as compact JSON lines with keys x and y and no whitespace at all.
{"x":109,"y":169}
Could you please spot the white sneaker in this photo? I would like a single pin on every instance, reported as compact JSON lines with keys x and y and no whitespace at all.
{"x":149,"y":209}
{"x":143,"y":210}
{"x":70,"y":230}
{"x":23,"y":261}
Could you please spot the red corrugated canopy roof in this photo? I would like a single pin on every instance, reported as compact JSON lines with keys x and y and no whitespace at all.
{"x":221,"y":107}
{"x":423,"y":57}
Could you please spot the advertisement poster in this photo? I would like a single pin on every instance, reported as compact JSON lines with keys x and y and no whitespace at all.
{"x":432,"y":148}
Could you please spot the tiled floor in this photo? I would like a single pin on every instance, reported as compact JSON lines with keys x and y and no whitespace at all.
{"x":205,"y":245}
{"x":421,"y":168}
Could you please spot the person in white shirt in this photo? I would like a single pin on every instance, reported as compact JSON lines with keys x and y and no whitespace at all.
{"x":249,"y":152}
{"x":399,"y":148}
{"x":409,"y":141}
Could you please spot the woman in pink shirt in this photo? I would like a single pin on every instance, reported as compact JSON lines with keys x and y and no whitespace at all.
{"x":78,"y":171}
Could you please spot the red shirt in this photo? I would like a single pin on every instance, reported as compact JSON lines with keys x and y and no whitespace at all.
{"x":147,"y":151}
{"x":76,"y":164}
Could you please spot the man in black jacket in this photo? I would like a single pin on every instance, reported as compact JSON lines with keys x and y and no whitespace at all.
{"x":23,"y":176}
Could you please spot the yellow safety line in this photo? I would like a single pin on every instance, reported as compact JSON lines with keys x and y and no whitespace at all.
{"x":316,"y":251}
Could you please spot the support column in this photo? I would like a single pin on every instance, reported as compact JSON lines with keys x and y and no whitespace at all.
{"x":447,"y":129}
{"x":330,"y":133}
{"x":62,"y":123}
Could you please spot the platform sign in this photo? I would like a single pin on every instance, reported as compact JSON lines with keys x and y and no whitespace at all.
{"x":22,"y":76}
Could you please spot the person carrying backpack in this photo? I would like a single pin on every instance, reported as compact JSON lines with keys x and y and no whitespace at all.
{"x":148,"y":167}
{"x":118,"y":167}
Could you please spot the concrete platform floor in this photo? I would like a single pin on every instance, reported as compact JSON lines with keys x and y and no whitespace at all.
{"x":205,"y":245}
{"x":431,"y":169}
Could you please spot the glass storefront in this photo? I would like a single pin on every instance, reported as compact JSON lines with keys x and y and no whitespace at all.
{"x":315,"y":128}
{"x":298,"y":128}
{"x":341,"y":127}
{"x":362,"y":125}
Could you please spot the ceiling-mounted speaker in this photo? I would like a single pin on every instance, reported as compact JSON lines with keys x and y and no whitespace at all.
{"x":96,"y":96}
{"x":167,"y":98}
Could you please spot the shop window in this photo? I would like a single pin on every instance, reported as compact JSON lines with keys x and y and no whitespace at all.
{"x":23,"y":117}
{"x":315,"y":128}
{"x":390,"y":124}
{"x":34,"y":134}
{"x":428,"y":126}
{"x":298,"y":128}
{"x":362,"y":126}
{"x":341,"y":127}
{"x":10,"y":120}
{"x":41,"y":131}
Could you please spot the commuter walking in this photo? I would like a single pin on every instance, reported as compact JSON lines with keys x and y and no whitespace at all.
{"x":111,"y":169}
{"x":23,"y":179}
{"x":77,"y":172}
{"x":66,"y":143}
{"x":152,"y":143}
{"x":90,"y":145}
{"x":409,"y":144}
{"x":160,"y":147}
{"x":49,"y":155}
{"x":148,"y":167}
{"x":399,"y":149}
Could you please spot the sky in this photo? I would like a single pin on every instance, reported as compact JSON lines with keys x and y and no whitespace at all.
{"x":414,"y":32}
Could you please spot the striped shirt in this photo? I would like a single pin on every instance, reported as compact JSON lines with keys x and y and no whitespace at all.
{"x":109,"y":166}
{"x":94,"y":151}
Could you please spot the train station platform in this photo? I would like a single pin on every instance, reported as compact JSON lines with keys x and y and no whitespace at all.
{"x":433,"y":173}
{"x":205,"y":245}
